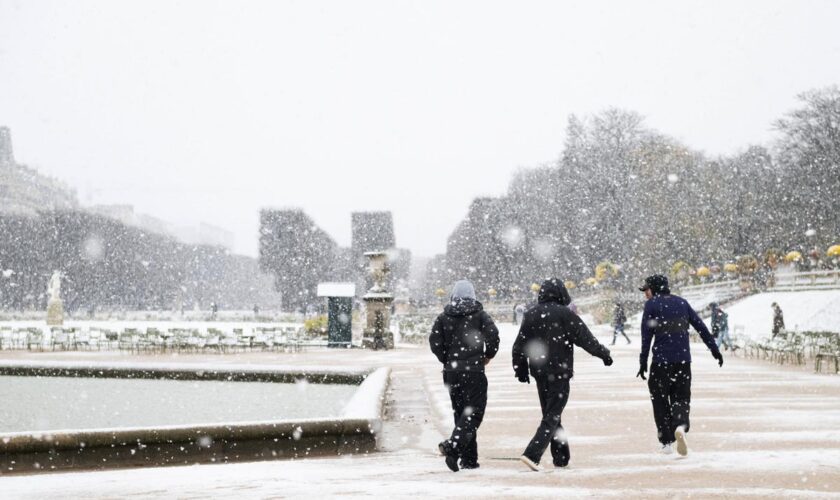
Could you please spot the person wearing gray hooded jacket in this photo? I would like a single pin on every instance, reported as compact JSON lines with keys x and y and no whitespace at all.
{"x":464,"y":339}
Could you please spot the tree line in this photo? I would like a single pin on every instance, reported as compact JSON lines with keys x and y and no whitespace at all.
{"x":624,"y":194}
{"x":106,"y":264}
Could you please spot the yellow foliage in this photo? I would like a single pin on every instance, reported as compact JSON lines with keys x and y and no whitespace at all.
{"x":317,"y":324}
{"x":793,"y":256}
{"x":681,"y":268}
{"x":605,"y":270}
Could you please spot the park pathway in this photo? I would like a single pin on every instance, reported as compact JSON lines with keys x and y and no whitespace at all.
{"x":758,"y":430}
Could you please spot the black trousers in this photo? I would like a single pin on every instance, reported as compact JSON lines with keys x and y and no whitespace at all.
{"x":554,"y":393}
{"x":468,"y":394}
{"x":670,"y":393}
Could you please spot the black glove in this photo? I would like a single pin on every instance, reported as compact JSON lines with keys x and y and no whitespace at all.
{"x":719,"y":357}
{"x":608,"y":360}
{"x":642,"y":370}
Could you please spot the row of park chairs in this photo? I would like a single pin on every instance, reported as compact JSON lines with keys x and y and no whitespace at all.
{"x":798,"y":348}
{"x":154,"y":339}
{"x":414,"y":329}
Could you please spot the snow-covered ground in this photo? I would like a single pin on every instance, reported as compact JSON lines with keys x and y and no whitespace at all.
{"x":759,"y":430}
{"x":817,"y":310}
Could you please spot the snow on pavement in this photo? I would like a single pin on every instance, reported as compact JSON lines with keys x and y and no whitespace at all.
{"x":758,"y":430}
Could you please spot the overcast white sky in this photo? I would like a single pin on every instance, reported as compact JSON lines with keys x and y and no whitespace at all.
{"x":207,"y":111}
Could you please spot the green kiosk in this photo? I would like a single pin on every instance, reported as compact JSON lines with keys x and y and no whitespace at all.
{"x":339,"y":312}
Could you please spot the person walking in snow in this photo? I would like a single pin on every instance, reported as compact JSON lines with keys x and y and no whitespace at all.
{"x":720,"y":327}
{"x":778,"y":319}
{"x":464,"y":339}
{"x":665,"y":322}
{"x":619,"y":317}
{"x":518,"y":311}
{"x":544,"y":349}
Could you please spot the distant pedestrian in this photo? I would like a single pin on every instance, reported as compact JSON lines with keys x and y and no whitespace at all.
{"x":464,"y":339}
{"x":619,"y":318}
{"x":778,"y":319}
{"x":720,"y":327}
{"x":256,"y":310}
{"x":665,"y":322}
{"x":544,"y":349}
{"x":518,"y":312}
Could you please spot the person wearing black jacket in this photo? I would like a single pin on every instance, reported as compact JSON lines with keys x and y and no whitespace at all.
{"x":619,"y":317}
{"x":545,"y":349}
{"x":464,"y":339}
{"x":778,"y":319}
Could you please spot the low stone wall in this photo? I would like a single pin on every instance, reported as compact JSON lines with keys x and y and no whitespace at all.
{"x":353,"y":433}
{"x":234,"y":373}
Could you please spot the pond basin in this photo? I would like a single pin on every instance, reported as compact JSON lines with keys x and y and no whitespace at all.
{"x":57,"y":416}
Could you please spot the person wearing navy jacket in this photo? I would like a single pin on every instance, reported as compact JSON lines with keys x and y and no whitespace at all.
{"x":665,"y":322}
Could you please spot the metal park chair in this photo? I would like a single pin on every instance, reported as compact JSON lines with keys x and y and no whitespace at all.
{"x":129,"y":340}
{"x":6,"y":338}
{"x":34,"y":338}
{"x":64,"y":338}
{"x":828,"y":353}
{"x":213,"y":340}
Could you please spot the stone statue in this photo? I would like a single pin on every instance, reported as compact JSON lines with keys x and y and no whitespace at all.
{"x":54,"y":286}
{"x":55,"y":307}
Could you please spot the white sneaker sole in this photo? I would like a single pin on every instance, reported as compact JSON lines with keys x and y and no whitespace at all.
{"x":530,"y":463}
{"x":682,"y":445}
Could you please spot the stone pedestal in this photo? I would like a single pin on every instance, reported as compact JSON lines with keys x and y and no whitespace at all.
{"x":55,"y":312}
{"x":377,"y":333}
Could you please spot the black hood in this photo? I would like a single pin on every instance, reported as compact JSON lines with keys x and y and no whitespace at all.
{"x":554,"y":290}
{"x":462,"y":307}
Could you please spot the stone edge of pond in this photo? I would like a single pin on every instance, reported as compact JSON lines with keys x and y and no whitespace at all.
{"x":233,"y":373}
{"x":355,"y":432}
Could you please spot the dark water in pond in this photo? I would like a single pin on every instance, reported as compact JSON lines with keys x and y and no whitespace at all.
{"x":54,"y":403}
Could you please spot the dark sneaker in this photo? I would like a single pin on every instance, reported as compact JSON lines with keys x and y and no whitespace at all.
{"x":451,"y":455}
{"x":470,"y":465}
